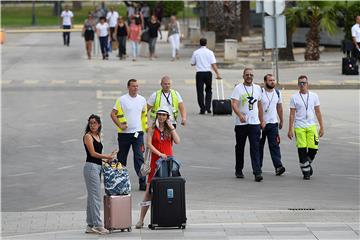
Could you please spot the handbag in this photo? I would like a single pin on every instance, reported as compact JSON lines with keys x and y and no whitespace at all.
{"x":145,"y":36}
{"x":145,"y":167}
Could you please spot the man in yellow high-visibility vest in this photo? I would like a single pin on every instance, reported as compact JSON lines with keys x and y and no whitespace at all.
{"x":169,"y":98}
{"x":130,"y":117}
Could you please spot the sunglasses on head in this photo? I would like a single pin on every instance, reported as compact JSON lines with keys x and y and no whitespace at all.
{"x":162,"y":114}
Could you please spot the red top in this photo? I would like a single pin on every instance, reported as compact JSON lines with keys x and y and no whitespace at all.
{"x":135,"y":32}
{"x":163,"y":145}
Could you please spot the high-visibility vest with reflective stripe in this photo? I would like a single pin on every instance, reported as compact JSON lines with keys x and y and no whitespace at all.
{"x":174,"y":103}
{"x":122,"y":119}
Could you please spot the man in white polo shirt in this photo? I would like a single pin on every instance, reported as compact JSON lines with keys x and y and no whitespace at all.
{"x":204,"y":60}
{"x":304,"y":106}
{"x":272,"y":107}
{"x":355,"y":33}
{"x":67,"y":20}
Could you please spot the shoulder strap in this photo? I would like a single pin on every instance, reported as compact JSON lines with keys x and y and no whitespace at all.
{"x":277,"y":92}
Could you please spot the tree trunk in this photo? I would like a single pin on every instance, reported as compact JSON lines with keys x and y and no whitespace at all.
{"x":312,"y":51}
{"x":216,"y":21}
{"x":245,"y":18}
{"x":57,"y":8}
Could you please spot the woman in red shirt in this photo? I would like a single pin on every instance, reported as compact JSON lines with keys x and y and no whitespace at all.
{"x":134,"y":36}
{"x":160,"y":139}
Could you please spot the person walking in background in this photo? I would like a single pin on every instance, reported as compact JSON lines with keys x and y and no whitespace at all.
{"x":169,"y":98}
{"x":135,"y":37}
{"x":246,"y":103}
{"x":67,"y":22}
{"x":122,"y":32}
{"x":154,"y":28}
{"x":174,"y":37}
{"x":272,"y":107}
{"x":112,"y":18}
{"x":355,"y":33}
{"x":129,"y":115}
{"x":160,"y":139}
{"x":88,"y":31}
{"x":304,"y":106}
{"x":92,"y":174}
{"x":159,"y":11}
{"x":130,"y":10}
{"x":102,"y":31}
{"x":204,"y":60}
{"x":145,"y":11}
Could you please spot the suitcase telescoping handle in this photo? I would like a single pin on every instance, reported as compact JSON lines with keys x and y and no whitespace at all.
{"x":222,"y":88}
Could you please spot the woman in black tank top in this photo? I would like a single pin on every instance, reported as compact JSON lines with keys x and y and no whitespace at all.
{"x":121,"y":32}
{"x":92,"y":174}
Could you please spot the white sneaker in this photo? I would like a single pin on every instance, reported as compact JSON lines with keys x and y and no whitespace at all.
{"x":100,"y":230}
{"x":89,"y":229}
{"x":139,"y":225}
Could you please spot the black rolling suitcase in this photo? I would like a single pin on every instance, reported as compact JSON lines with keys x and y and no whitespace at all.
{"x":349,"y":66}
{"x":168,"y":197}
{"x":221,"y":106}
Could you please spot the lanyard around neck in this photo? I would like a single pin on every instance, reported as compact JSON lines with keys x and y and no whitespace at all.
{"x":270,"y":100}
{"x":252,"y":90}
{"x":167,"y":97}
{"x":307,"y":101}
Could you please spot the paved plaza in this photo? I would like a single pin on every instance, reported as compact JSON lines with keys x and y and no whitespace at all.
{"x":49,"y":90}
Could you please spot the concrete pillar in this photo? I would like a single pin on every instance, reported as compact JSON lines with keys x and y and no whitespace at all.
{"x":230,"y":51}
{"x":194,"y":35}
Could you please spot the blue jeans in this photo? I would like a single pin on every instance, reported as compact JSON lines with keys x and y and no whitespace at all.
{"x":152,"y":44}
{"x":126,"y":140}
{"x":135,"y":49}
{"x":271,"y":131}
{"x":241,"y":133}
{"x":104,"y":45}
{"x":92,"y":175}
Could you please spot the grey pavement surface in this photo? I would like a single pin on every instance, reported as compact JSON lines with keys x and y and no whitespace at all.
{"x":49,"y":90}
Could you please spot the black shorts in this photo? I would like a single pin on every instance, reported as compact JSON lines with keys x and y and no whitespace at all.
{"x":89,"y":35}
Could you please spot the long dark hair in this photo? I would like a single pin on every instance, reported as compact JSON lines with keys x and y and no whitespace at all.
{"x":167,"y":130}
{"x":97,"y":119}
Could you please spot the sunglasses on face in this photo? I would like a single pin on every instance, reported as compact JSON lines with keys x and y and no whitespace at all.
{"x":302,"y":83}
{"x":249,"y":75}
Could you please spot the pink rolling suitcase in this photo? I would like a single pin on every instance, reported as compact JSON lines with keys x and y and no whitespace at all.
{"x":117,"y":212}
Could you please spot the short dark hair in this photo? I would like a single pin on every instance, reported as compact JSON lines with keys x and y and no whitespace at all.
{"x":267,"y":75}
{"x":130,"y":81}
{"x":302,"y":76}
{"x":102,"y":18}
{"x":203,"y":41}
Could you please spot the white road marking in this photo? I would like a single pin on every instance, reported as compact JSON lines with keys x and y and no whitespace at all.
{"x":349,"y":137}
{"x":107,"y":94}
{"x":205,"y":167}
{"x":70,"y":140}
{"x":31,"y":146}
{"x":355,"y":143}
{"x":82,"y":197}
{"x":86,"y":81}
{"x":345,"y":175}
{"x":31,"y":82}
{"x":5,"y":82}
{"x":45,"y":206}
{"x":21,"y":174}
{"x":65,"y":167}
{"x":112,"y":82}
{"x":190,"y":81}
{"x":57,"y":82}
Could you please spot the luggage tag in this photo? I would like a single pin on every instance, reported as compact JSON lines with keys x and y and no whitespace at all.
{"x":136,"y":135}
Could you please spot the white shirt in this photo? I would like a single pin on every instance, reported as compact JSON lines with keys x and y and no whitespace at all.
{"x":202,"y":59}
{"x":304,"y":118}
{"x":66,"y":17}
{"x":132,"y":108}
{"x":240,"y":94}
{"x":355,"y":32}
{"x":164,"y":102}
{"x":103,"y":29}
{"x":269,"y":101}
{"x":112,"y":18}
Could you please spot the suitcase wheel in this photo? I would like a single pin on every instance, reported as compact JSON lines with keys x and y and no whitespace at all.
{"x":122,"y":230}
{"x":151,"y":227}
{"x":182,"y":226}
{"x":129,"y":229}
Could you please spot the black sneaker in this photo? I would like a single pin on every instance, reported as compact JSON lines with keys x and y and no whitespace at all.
{"x":279,"y":171}
{"x":239,"y":174}
{"x":258,"y":178}
{"x":311,"y":171}
{"x":209,"y":111}
{"x":202,"y":112}
{"x":142,"y":187}
{"x":306,"y":177}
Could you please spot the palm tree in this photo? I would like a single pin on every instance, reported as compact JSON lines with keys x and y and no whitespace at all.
{"x":320,"y":16}
{"x":292,"y":18}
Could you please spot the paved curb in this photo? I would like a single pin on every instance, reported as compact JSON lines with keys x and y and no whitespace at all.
{"x":269,"y":65}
